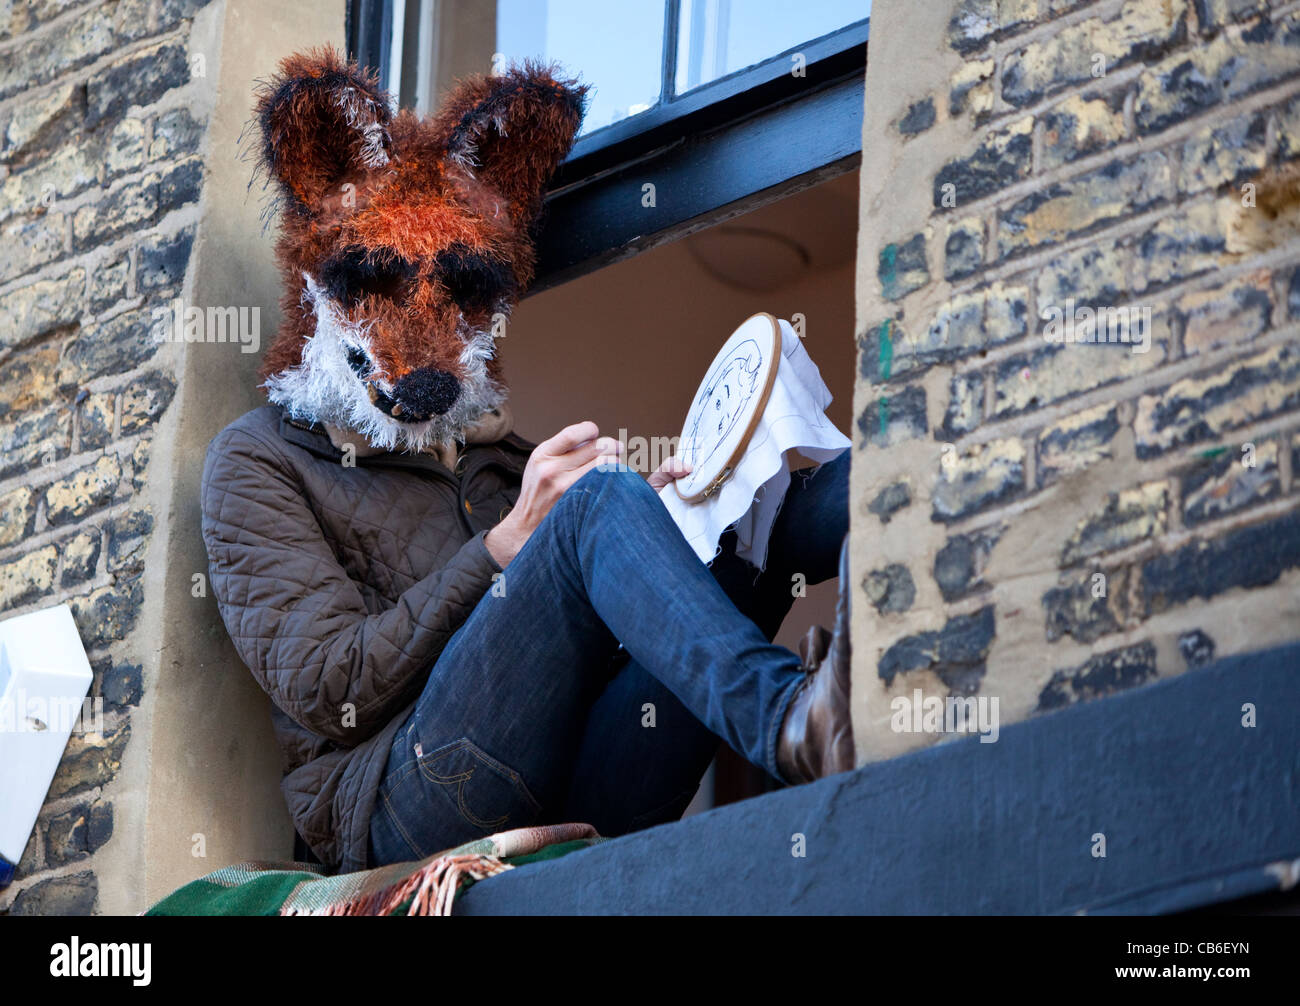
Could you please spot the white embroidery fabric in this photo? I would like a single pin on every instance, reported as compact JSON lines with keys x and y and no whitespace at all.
{"x":794,"y":419}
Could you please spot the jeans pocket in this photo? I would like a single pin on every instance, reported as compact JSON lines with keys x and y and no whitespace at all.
{"x":487,"y":793}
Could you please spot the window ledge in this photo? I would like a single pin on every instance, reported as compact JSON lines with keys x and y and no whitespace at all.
{"x":1003,"y":828}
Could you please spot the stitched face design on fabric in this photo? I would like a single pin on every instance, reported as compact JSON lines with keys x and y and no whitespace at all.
{"x":726,"y":395}
{"x":402,"y":241}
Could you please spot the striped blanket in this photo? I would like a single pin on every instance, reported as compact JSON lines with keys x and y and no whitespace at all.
{"x":428,"y":887}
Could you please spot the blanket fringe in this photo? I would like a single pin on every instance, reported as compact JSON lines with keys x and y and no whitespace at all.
{"x":431,"y":890}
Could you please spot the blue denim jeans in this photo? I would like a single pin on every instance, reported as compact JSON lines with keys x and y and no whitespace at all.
{"x":534,"y":714}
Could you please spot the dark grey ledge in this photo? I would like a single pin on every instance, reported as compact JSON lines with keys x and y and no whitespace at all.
{"x":1196,"y":808}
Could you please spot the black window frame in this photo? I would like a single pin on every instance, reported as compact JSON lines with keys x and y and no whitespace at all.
{"x":718,"y":150}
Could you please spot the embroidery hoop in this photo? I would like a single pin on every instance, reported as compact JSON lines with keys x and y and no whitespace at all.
{"x":708,"y":477}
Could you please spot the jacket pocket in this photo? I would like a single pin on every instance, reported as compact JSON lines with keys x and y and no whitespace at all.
{"x":487,"y":793}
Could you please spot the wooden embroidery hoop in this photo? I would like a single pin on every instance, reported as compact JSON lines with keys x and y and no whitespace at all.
{"x":759,"y":405}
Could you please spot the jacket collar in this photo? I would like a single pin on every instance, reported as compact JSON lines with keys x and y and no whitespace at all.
{"x":510,"y":452}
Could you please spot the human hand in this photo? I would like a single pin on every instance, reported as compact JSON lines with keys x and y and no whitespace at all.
{"x":554,"y":466}
{"x":672,"y":469}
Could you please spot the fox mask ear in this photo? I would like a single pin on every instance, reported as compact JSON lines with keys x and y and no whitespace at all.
{"x":512,"y":130}
{"x":321,"y":119}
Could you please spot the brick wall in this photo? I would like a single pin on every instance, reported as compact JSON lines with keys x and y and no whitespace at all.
{"x":1051,"y":521}
{"x":103,"y":111}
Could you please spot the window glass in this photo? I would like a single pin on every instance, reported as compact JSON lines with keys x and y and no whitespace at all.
{"x":718,"y":37}
{"x":617,"y":48}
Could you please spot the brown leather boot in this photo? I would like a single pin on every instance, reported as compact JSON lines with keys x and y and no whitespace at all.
{"x":817,"y":733}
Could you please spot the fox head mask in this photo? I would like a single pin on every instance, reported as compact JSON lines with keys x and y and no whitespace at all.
{"x":403,"y":242}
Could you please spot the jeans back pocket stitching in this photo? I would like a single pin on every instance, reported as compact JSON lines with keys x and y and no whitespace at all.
{"x":470,"y":817}
{"x":460,"y":779}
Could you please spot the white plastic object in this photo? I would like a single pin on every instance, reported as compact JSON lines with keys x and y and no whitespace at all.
{"x":44,"y":680}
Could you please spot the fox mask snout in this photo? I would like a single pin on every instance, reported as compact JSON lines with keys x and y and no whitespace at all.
{"x":403,"y":242}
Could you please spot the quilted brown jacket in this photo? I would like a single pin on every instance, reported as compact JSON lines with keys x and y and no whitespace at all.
{"x":339,"y":586}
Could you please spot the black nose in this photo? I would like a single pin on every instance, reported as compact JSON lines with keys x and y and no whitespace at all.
{"x":427,"y":392}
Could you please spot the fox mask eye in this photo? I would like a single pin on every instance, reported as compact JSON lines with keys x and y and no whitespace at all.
{"x":355,"y":274}
{"x":475,"y":282}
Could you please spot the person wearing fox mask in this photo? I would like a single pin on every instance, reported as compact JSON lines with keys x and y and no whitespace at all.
{"x":462,"y":632}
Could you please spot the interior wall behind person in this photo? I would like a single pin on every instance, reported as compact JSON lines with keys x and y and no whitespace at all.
{"x":125,"y":192}
{"x":1076,"y":517}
